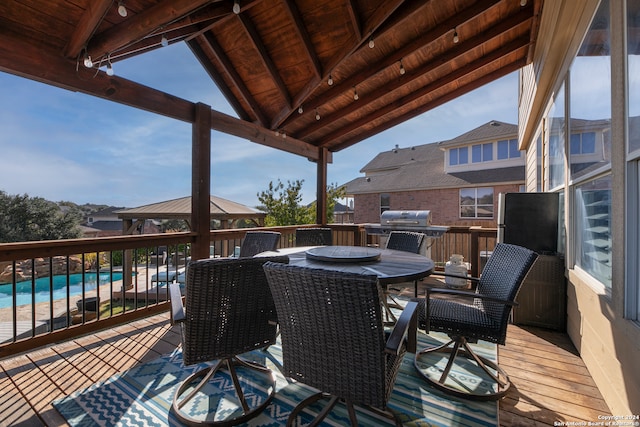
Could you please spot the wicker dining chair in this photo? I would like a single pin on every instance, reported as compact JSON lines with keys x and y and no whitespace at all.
{"x":472,"y":316}
{"x":316,"y":236}
{"x":259,"y":241}
{"x":228,"y":311}
{"x":333,"y":339}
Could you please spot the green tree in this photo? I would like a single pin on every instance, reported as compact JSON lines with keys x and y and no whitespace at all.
{"x":24,"y":219}
{"x":283,"y":207}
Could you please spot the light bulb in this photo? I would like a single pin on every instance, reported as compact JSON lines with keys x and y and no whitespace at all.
{"x":317,"y":115}
{"x":122,"y":11}
{"x":236,"y":6}
{"x":355,"y":94}
{"x":402,"y":70}
{"x":300,"y":110}
{"x":330,"y":80}
{"x":87,"y":61}
{"x":456,"y":39}
{"x":109,"y":69}
{"x":523,"y":3}
{"x":372,"y":44}
{"x":163,"y":41}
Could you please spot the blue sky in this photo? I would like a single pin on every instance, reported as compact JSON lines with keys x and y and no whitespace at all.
{"x":62,"y":145}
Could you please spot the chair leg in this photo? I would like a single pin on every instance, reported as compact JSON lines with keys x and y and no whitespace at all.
{"x":203,"y":377}
{"x":462,"y":349}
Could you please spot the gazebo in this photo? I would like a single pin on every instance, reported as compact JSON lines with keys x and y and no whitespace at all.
{"x":226,"y":211}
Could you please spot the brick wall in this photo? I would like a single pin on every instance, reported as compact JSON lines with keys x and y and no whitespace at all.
{"x":443,"y":204}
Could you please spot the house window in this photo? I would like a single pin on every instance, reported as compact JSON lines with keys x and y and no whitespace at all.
{"x":385,"y":202}
{"x":482,"y":152}
{"x":476,"y":202}
{"x":458,"y":156}
{"x":582,"y":143}
{"x":508,"y":149}
{"x":593,"y":228}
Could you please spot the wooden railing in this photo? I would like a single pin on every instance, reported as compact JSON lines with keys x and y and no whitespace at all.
{"x":136,"y":270}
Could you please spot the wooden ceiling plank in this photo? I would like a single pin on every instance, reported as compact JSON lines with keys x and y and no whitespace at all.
{"x":388,"y":8}
{"x":418,"y":43}
{"x":462,"y":90}
{"x":91,"y":18}
{"x":294,"y":15}
{"x":244,"y":6}
{"x":264,"y":56}
{"x":459,"y":73}
{"x":235,"y":78}
{"x":458,"y":50}
{"x":138,"y":26}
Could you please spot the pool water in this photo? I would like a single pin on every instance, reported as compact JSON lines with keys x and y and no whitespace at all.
{"x":42,"y":291}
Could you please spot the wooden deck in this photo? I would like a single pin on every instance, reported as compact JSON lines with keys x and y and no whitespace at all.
{"x":550,"y":382}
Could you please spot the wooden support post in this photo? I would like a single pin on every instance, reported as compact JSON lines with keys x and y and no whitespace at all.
{"x":201,"y":181}
{"x":321,"y":191}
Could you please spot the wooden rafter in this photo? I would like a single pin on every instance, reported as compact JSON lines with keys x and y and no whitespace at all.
{"x":354,"y":18}
{"x":91,"y":18}
{"x":419,"y":42}
{"x":459,"y":73}
{"x":224,"y":61}
{"x":139,"y":26}
{"x":450,"y":96}
{"x":303,"y":35}
{"x":264,"y":56}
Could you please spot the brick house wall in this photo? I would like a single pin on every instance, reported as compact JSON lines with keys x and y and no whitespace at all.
{"x":443,"y":204}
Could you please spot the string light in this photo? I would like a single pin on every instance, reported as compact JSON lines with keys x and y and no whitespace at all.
{"x":109,"y":66}
{"x":330,"y":80}
{"x":236,"y":6}
{"x":300,"y":110}
{"x":87,"y":59}
{"x":317,"y":115}
{"x":402,"y":70}
{"x":122,"y":11}
{"x":372,"y":44}
{"x":456,"y":39}
{"x":355,"y":94}
{"x":164,"y":41}
{"x":523,"y":3}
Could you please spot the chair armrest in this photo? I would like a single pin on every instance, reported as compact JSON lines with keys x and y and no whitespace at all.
{"x":177,"y":308}
{"x":468,"y":294}
{"x":459,"y":276}
{"x":405,"y":328}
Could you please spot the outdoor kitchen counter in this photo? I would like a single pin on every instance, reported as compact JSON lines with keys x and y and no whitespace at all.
{"x":390,"y":266}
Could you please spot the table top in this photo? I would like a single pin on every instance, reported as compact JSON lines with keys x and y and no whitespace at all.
{"x":390,"y":266}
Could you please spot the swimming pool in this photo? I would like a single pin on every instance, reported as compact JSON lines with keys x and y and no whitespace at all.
{"x":23,"y":295}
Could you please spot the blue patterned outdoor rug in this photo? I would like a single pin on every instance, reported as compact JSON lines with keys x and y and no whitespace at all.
{"x":142,"y":396}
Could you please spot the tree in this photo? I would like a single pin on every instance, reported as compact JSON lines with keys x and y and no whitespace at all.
{"x":24,"y":219}
{"x":283,"y":207}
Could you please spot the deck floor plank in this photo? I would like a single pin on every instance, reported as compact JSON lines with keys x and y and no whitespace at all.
{"x":550,"y":382}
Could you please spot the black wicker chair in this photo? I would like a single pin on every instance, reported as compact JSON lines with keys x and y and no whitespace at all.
{"x":259,"y":241}
{"x":228,"y":311}
{"x":314,"y":237}
{"x":472,"y":316}
{"x":333,"y":338}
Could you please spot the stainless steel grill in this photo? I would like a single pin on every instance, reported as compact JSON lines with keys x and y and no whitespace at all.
{"x":409,"y":220}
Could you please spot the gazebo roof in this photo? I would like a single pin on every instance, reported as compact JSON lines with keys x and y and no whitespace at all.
{"x":220,"y":209}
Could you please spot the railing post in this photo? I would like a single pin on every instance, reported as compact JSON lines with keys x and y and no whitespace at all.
{"x":475,"y":251}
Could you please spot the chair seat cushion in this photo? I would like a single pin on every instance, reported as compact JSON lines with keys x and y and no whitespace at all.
{"x":455,"y":318}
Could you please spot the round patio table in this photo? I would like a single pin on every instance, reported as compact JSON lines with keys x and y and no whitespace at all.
{"x":390,"y":266}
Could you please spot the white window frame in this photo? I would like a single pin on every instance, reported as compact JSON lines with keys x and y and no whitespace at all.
{"x":475,"y":205}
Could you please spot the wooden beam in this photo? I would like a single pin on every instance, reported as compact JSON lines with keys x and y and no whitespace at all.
{"x":459,"y":73}
{"x":139,"y":26}
{"x":321,"y":187}
{"x":488,"y":78}
{"x":264,"y":56}
{"x":201,"y":181}
{"x":222,"y":59}
{"x":255,"y":133}
{"x":91,"y":19}
{"x":354,"y":17}
{"x":458,"y":50}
